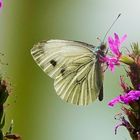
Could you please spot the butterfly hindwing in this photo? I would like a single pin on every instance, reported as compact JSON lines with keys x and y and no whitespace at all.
{"x":73,"y":66}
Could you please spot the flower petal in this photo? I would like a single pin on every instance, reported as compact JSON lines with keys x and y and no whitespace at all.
{"x":123,"y":38}
{"x":111,"y":62}
{"x":114,"y":101}
{"x":117,"y":40}
{"x":115,"y":44}
{"x":126,"y":98}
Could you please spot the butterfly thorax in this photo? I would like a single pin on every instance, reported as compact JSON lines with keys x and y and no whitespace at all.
{"x":100,"y":50}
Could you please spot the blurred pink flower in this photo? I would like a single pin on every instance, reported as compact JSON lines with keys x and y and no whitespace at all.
{"x":1,"y":3}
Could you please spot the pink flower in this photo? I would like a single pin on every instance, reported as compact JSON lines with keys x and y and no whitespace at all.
{"x":111,"y":62}
{"x":114,"y":101}
{"x":126,"y":98}
{"x":115,"y":44}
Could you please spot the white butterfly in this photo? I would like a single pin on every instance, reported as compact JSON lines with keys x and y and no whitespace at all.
{"x":75,"y":68}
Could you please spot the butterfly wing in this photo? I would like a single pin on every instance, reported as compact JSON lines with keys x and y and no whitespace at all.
{"x":74,"y":67}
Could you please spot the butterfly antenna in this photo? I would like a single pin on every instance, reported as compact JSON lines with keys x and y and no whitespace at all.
{"x":111,"y":26}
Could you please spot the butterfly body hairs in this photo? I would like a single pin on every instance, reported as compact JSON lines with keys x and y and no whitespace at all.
{"x":75,"y":67}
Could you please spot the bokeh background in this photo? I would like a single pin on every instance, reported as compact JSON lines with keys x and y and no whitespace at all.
{"x":35,"y":108}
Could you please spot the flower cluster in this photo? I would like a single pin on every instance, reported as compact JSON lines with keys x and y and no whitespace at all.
{"x":114,"y":45}
{"x":126,"y":98}
{"x":130,"y":97}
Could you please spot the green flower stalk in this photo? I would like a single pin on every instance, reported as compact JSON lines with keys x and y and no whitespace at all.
{"x":130,"y":97}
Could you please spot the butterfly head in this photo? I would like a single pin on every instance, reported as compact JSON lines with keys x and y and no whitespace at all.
{"x":103,"y":47}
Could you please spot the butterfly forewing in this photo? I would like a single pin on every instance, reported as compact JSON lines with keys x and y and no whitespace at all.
{"x":73,"y":66}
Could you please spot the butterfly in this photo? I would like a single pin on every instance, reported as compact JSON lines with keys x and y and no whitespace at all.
{"x":75,"y":67}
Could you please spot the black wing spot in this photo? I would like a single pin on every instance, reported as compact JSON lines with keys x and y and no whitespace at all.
{"x":53,"y":62}
{"x":62,"y":71}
